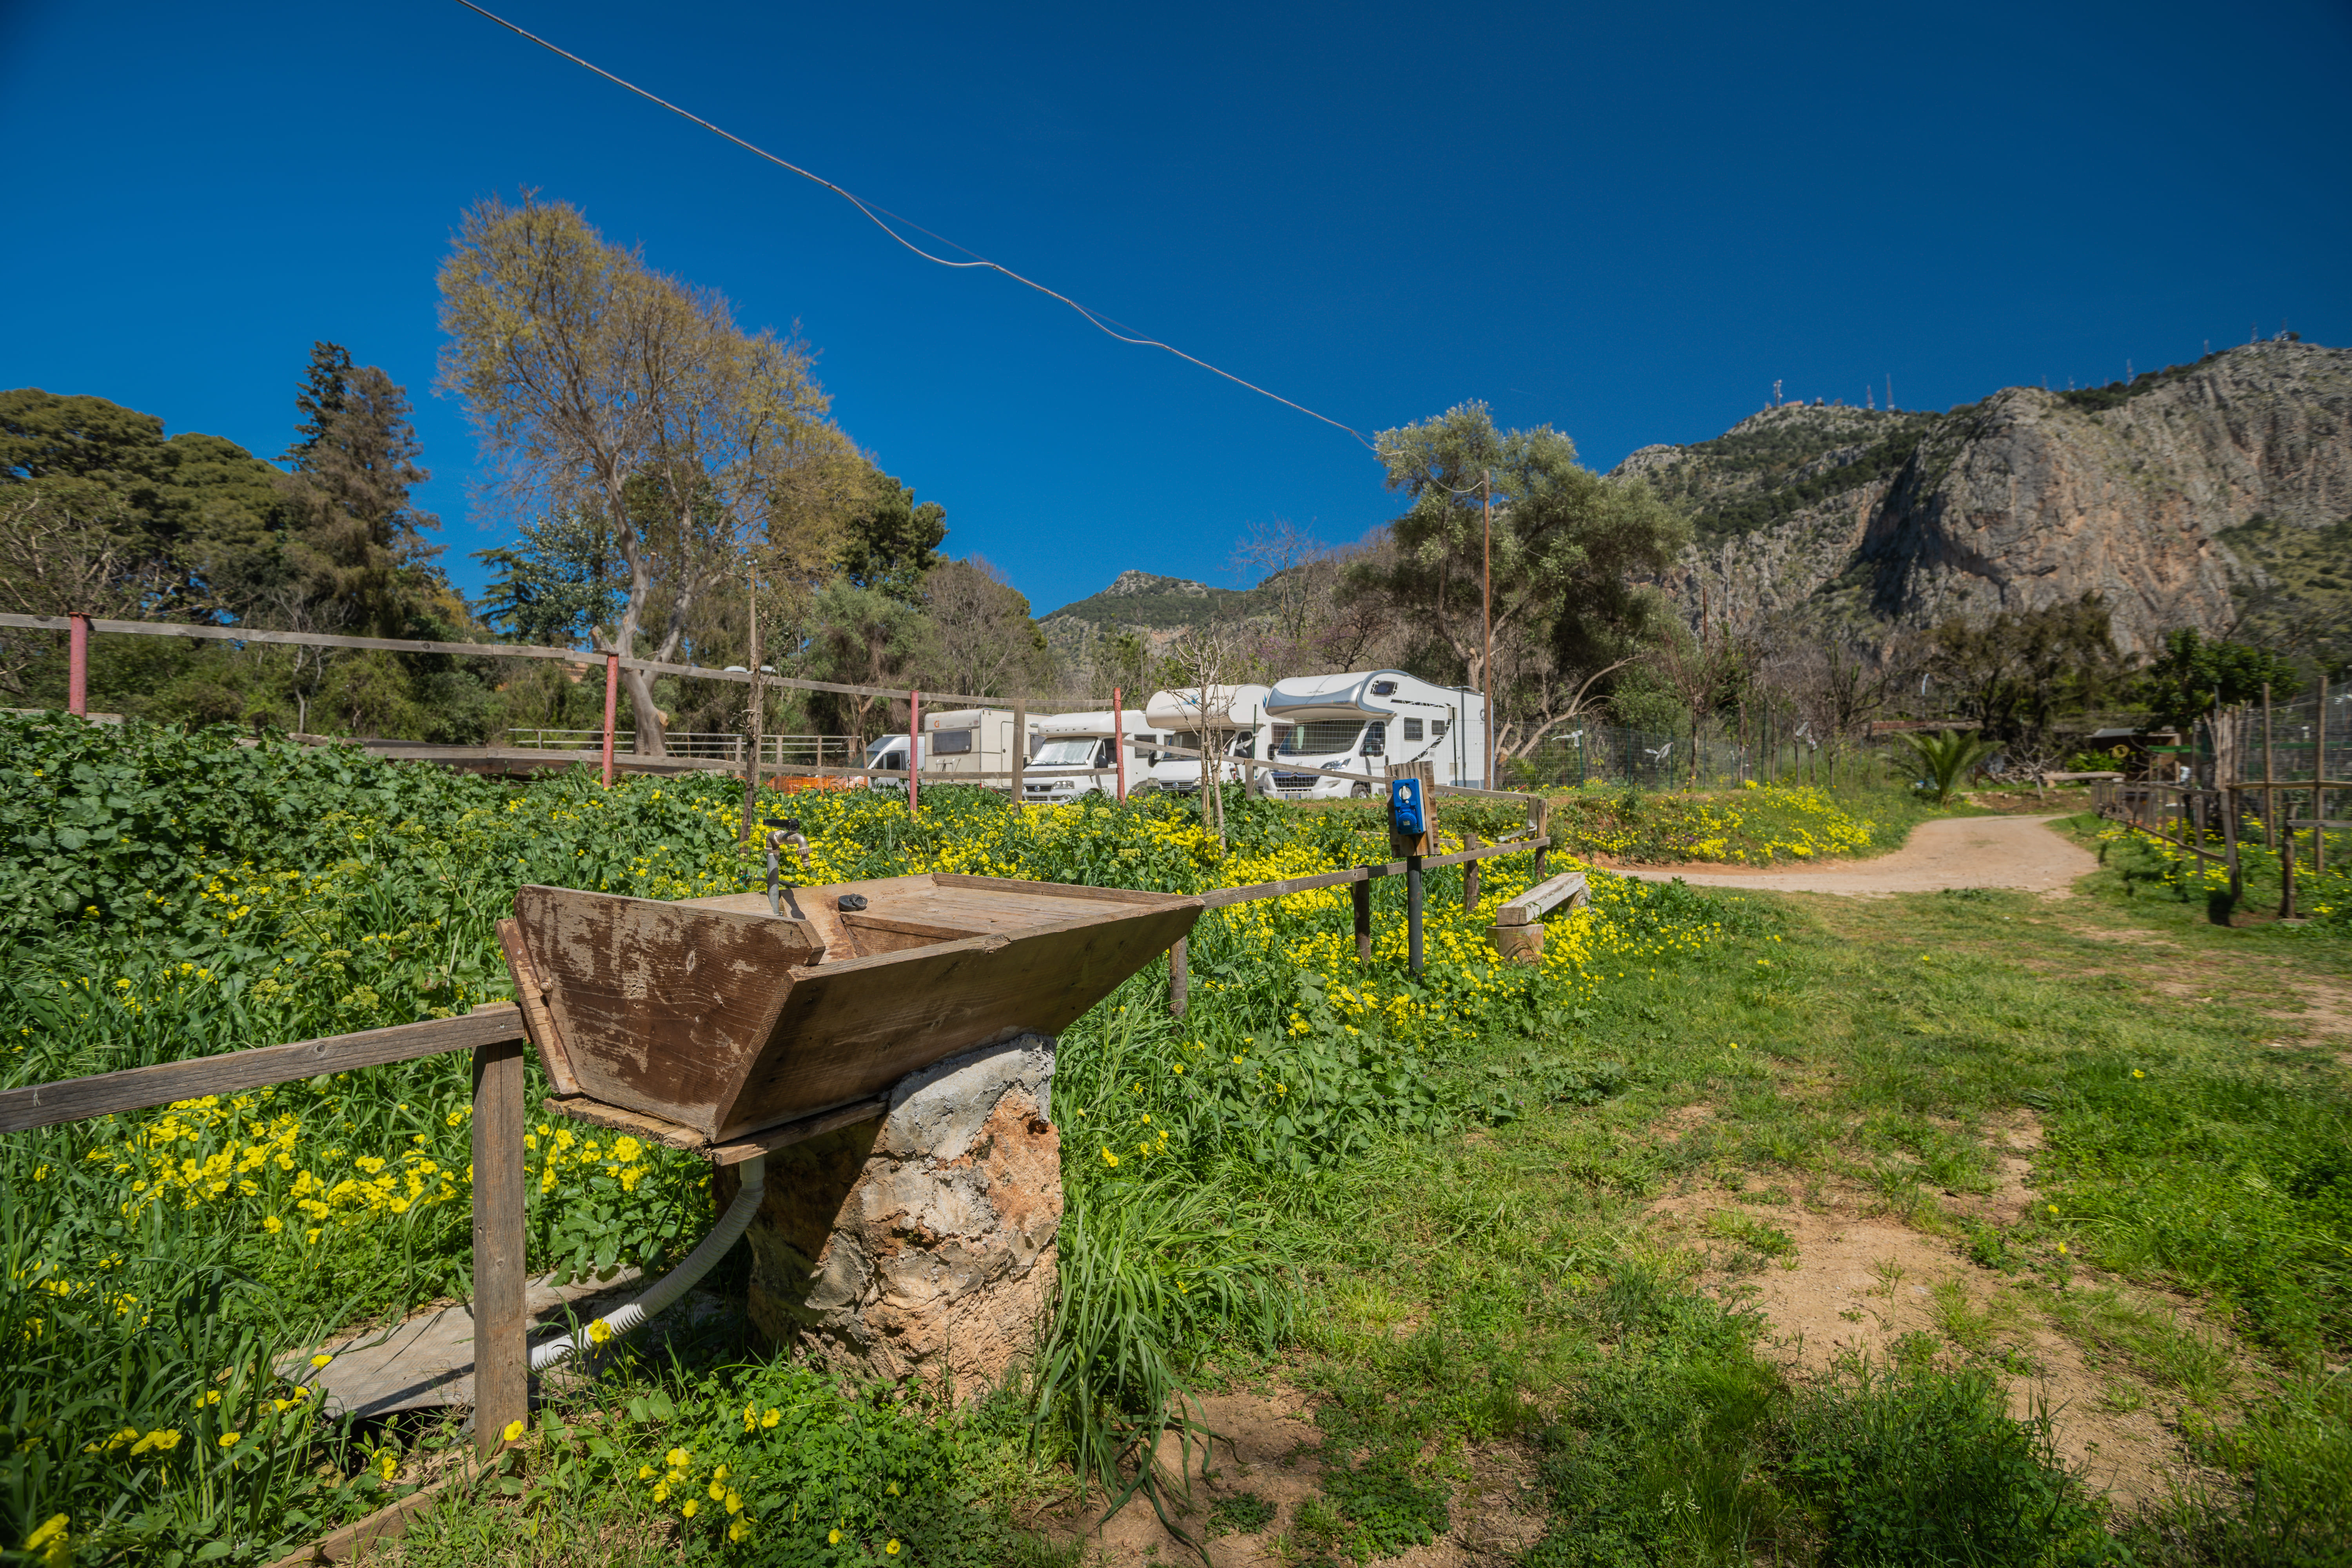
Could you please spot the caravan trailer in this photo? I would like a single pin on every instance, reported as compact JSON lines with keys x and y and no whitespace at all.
{"x":972,"y":741}
{"x":1075,"y":756}
{"x":1363,"y":721}
{"x":1233,"y":718}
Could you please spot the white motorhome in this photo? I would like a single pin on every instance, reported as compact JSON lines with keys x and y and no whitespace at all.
{"x":1232,"y":718}
{"x":1363,"y":721}
{"x":1075,"y":755}
{"x":972,"y":741}
{"x":886,"y":763}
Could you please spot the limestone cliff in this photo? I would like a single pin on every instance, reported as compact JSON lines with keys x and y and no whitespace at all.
{"x":2213,"y":495}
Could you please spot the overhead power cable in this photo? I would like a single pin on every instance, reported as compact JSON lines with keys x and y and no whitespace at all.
{"x":876,"y":214}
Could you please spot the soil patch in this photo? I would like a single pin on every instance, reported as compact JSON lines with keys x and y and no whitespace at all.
{"x":1265,"y":1453}
{"x":1854,"y":1285}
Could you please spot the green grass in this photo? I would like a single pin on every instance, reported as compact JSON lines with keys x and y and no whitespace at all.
{"x":1432,"y":1228}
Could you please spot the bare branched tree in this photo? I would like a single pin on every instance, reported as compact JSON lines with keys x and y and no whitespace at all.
{"x":55,"y":560}
{"x":1202,"y":662}
{"x":1835,"y":689}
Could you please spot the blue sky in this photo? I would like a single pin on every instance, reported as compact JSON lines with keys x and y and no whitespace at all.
{"x":1626,"y":221}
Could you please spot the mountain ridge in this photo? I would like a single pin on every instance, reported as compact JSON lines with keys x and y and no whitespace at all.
{"x":2215,"y":494}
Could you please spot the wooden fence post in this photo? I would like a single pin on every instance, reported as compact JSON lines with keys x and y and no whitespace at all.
{"x":1359,"y":894}
{"x":501,"y":1360}
{"x":612,"y":708}
{"x":1180,"y":977}
{"x":1470,"y":876}
{"x":77,"y":666}
{"x":2229,"y":844}
{"x":2286,"y":870}
{"x":2319,"y":785}
{"x":1540,"y":818}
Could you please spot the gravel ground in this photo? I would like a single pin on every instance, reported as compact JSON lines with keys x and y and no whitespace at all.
{"x":1953,"y":852}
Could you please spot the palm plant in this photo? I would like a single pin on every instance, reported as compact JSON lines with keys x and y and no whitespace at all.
{"x":1949,"y":756}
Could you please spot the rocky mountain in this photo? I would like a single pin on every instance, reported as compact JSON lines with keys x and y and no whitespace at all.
{"x":2217,"y":495}
{"x":1153,"y":608}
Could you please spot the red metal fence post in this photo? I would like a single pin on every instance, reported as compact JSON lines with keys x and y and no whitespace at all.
{"x":77,"y":666}
{"x":612,"y":707}
{"x":914,"y":747}
{"x":1119,"y":741}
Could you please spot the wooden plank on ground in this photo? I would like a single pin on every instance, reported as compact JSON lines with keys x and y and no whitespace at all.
{"x":356,"y":1538}
{"x":138,"y":1088}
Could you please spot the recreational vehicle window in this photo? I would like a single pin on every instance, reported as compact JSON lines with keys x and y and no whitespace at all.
{"x":1413,"y":729}
{"x":1376,"y":740}
{"x":1077,"y":752}
{"x":1437,"y":729}
{"x":950,"y":743}
{"x":1321,"y":738}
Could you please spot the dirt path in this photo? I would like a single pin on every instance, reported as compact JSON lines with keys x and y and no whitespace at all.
{"x":1954,"y":852}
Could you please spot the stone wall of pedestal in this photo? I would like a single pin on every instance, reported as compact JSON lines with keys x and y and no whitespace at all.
{"x":921,"y":1245}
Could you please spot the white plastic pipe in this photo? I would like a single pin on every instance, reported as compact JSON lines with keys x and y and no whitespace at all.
{"x":674,"y":1284}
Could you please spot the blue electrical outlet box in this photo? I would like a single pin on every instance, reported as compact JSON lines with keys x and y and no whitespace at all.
{"x":1406,"y":816}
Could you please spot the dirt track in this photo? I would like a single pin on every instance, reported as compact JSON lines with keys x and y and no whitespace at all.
{"x":1956,"y":852}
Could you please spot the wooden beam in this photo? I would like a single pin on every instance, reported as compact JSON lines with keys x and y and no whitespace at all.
{"x":138,"y":1088}
{"x":501,"y":1353}
{"x":735,"y":1151}
{"x":356,"y":1538}
{"x":1530,"y":907}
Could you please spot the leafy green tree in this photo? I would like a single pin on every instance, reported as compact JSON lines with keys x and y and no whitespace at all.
{"x":862,"y":637}
{"x":2015,"y":672}
{"x":1573,"y":553}
{"x":894,"y":540}
{"x":563,"y":581}
{"x":200,"y":516}
{"x":2194,"y":675}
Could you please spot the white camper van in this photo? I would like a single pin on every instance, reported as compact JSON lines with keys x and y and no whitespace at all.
{"x":886,"y":763}
{"x":972,"y":741}
{"x":1075,"y":756}
{"x":1232,"y":719}
{"x":1361,"y":722}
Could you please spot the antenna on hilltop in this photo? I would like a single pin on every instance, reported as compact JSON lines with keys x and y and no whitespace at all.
{"x":1776,"y":395}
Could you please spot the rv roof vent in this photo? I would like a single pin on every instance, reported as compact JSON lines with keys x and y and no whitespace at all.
{"x":1384,"y":688}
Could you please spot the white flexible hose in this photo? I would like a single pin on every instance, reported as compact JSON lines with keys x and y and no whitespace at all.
{"x":674,"y":1284}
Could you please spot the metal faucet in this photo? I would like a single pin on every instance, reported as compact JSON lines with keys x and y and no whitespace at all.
{"x":784,"y":832}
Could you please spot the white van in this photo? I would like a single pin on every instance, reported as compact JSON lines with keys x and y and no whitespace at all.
{"x":972,"y":741}
{"x":1233,"y":718}
{"x":886,"y":763}
{"x":1075,"y":756}
{"x":1362,"y":721}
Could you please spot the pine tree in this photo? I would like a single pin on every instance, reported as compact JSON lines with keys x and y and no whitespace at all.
{"x":320,"y":398}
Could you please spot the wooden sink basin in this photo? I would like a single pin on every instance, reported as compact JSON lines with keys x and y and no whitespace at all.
{"x":723,"y":1019}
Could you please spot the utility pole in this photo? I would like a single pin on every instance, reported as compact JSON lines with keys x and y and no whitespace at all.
{"x":1486,"y":628}
{"x":751,"y":761}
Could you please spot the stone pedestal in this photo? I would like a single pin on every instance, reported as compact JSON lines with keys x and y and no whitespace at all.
{"x":921,"y":1245}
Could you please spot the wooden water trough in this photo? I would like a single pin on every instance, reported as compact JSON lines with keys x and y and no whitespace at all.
{"x":707,"y":1023}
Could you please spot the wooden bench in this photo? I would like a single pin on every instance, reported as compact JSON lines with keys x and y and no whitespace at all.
{"x":1517,"y":933}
